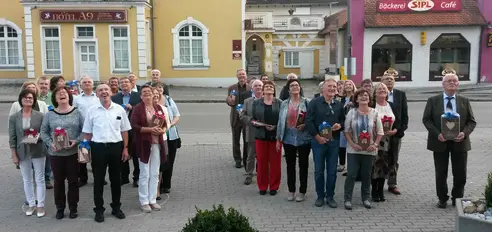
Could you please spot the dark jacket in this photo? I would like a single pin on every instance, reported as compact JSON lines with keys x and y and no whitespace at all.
{"x":319,"y":111}
{"x":432,"y":121}
{"x":401,"y":111}
{"x":259,"y":115}
{"x":397,"y":121}
{"x":134,"y":100}
{"x":143,"y":141}
{"x":240,"y":97}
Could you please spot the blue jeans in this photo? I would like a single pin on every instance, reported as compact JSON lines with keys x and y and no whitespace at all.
{"x":325,"y":157}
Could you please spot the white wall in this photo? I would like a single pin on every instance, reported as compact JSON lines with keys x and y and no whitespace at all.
{"x":421,"y":53}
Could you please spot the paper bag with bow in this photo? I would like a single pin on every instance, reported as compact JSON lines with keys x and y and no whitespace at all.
{"x":450,"y":125}
{"x":60,"y":139}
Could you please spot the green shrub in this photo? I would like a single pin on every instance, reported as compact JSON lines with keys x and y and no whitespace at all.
{"x":488,"y":191}
{"x":217,"y":220}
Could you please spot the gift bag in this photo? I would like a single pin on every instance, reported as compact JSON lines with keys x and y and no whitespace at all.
{"x":387,"y":123}
{"x":31,"y":136}
{"x":60,"y":139}
{"x":84,"y":152}
{"x":158,"y":119}
{"x":325,"y":131}
{"x":450,"y":125}
{"x":364,"y":140}
{"x":301,"y":118}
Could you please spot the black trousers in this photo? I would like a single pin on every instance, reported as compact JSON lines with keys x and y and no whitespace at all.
{"x":342,"y":155}
{"x":168,"y":166}
{"x":125,"y":169}
{"x":237,"y":130}
{"x":290,"y":158}
{"x":458,"y":165}
{"x":106,"y":156}
{"x":65,"y":168}
{"x":83,"y":177}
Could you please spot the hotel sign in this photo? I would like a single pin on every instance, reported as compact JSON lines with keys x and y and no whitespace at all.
{"x":407,"y":6}
{"x":83,"y":16}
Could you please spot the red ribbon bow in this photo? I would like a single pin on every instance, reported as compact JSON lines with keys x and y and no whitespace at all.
{"x":387,"y":119}
{"x":159,"y":114}
{"x":60,"y":131}
{"x":30,"y":132}
{"x":364,"y":135}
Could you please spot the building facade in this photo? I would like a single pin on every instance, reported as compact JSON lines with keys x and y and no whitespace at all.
{"x":282,"y":37}
{"x":113,"y":38}
{"x":420,"y":38}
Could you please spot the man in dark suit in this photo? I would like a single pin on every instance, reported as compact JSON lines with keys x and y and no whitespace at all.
{"x":399,"y":99}
{"x":241,"y":91}
{"x":128,"y":99}
{"x":156,"y":77}
{"x":133,"y":80}
{"x":441,"y":148}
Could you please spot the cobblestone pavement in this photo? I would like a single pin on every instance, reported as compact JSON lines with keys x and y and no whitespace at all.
{"x":205,"y":176}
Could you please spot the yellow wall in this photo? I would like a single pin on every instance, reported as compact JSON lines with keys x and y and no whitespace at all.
{"x":222,"y":18}
{"x":14,"y":13}
{"x":67,"y":45}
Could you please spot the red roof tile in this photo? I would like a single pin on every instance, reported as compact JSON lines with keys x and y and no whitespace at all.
{"x":468,"y":16}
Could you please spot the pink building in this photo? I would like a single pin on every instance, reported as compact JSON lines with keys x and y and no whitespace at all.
{"x":420,"y":39}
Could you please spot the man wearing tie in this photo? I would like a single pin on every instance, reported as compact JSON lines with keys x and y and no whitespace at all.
{"x":399,"y":99}
{"x":449,"y":101}
{"x":128,"y":99}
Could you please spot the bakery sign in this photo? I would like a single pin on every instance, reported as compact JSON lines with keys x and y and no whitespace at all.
{"x":85,"y":16}
{"x":407,"y":6}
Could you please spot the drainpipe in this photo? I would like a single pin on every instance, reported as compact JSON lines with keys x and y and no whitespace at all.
{"x":482,"y":32}
{"x":153,"y":33}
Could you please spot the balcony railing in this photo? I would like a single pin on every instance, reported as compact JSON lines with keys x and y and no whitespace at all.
{"x":268,"y":21}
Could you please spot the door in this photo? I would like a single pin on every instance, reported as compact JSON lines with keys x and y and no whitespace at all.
{"x":306,"y":59}
{"x":87,"y":60}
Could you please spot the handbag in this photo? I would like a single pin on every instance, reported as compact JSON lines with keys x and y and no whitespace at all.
{"x":178,"y":141}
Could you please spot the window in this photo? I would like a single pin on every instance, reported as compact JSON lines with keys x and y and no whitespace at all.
{"x":120,"y":46}
{"x":392,"y":51}
{"x":51,"y":50}
{"x":291,"y":59}
{"x":190,"y":45}
{"x":449,"y":51}
{"x":85,"y":32}
{"x":10,"y":46}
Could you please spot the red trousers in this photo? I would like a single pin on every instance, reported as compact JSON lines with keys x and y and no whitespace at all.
{"x":269,"y":165}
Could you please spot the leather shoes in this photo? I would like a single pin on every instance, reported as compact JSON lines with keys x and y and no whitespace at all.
{"x":60,"y":214}
{"x":442,"y":204}
{"x":394,"y":190}
{"x":99,"y":217}
{"x":262,"y":192}
{"x":238,"y":165}
{"x":248,"y":180}
{"x":73,"y":214}
{"x":273,"y":192}
{"x":118,"y":214}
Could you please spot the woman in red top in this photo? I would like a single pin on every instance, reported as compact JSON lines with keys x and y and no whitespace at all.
{"x":149,"y":143}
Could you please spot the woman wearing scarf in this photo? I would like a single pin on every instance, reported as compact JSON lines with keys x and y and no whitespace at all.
{"x":296,"y":141}
{"x":149,"y":143}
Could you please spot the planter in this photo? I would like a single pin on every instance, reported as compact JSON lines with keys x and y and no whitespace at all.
{"x":466,"y":223}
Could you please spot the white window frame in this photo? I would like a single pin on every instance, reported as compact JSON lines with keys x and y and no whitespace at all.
{"x":43,"y":49}
{"x":76,"y":32}
{"x":20,"y":66}
{"x":292,"y":59}
{"x":176,"y":60}
{"x":114,"y":70}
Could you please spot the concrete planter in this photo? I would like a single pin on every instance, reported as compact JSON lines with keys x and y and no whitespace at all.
{"x":469,"y":224}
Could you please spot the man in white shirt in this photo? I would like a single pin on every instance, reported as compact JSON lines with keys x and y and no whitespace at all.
{"x":83,"y":102}
{"x":107,"y":128}
{"x":133,"y":80}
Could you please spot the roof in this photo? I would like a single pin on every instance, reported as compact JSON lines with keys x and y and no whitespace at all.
{"x":469,"y":16}
{"x":339,"y":19}
{"x":304,"y":2}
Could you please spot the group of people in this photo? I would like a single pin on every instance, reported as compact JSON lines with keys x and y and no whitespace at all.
{"x":50,"y":127}
{"x":354,"y":131}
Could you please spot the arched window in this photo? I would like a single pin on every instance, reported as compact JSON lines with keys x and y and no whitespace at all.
{"x":449,"y":51}
{"x":393,"y":51}
{"x":190,"y":45}
{"x":10,"y":45}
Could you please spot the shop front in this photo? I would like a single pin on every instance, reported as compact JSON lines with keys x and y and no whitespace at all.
{"x":421,"y":38}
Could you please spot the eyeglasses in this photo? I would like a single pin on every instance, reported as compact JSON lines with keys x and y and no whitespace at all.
{"x":451,"y":81}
